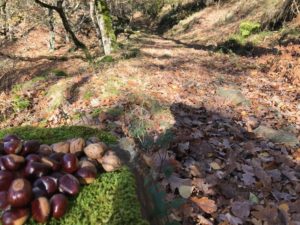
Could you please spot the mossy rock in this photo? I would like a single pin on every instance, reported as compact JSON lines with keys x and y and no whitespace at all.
{"x":110,"y":200}
{"x":53,"y":135}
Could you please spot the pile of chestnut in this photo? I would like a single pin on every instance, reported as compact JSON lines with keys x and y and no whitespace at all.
{"x":37,"y":179}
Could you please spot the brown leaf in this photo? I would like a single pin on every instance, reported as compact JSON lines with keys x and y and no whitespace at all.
{"x":207,"y":205}
{"x":175,"y":182}
{"x":241,"y":209}
{"x":231,"y":219}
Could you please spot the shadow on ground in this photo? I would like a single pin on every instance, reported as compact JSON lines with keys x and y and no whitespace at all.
{"x":230,"y":166}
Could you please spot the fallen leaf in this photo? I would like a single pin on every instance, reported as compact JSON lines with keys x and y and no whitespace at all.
{"x":207,"y":205}
{"x":215,"y":166}
{"x":185,"y":191}
{"x":231,"y":219}
{"x":176,"y":182}
{"x":241,"y":209}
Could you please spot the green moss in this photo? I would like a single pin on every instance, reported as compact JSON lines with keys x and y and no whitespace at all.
{"x":52,"y":135}
{"x":110,"y":200}
{"x":20,"y":103}
{"x":248,"y":27}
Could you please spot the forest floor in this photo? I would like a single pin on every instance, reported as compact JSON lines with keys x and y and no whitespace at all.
{"x":220,"y":130}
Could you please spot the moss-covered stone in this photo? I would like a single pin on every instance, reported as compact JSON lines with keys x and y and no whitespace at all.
{"x":52,"y":135}
{"x":110,"y":200}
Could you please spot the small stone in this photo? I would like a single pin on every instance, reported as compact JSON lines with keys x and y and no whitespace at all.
{"x":92,"y":140}
{"x":76,"y":145}
{"x":95,"y":151}
{"x":110,"y":161}
{"x":61,"y":147}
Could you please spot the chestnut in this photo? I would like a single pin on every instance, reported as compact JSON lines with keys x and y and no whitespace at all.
{"x":33,"y":157}
{"x":44,"y":150}
{"x":36,"y":169}
{"x":1,"y":164}
{"x":87,"y":163}
{"x":1,"y":147}
{"x":15,"y":216}
{"x":55,"y":165}
{"x":57,"y":156}
{"x":59,"y":205}
{"x":12,"y":162}
{"x":30,"y":147}
{"x":38,"y":192}
{"x":86,"y":175}
{"x":69,"y":163}
{"x":69,"y":184}
{"x":3,"y":200}
{"x":19,"y":193}
{"x":40,"y":209}
{"x":6,"y":178}
{"x":46,"y":183}
{"x":56,"y":175}
{"x":11,"y":137}
{"x":13,"y":147}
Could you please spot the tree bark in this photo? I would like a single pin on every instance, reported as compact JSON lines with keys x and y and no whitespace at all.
{"x":3,"y":14}
{"x":62,"y":15}
{"x":104,"y":22}
{"x":92,"y":15}
{"x":51,"y":30}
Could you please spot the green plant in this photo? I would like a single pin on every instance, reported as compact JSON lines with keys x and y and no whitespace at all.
{"x":59,"y":73}
{"x":248,"y":27}
{"x":20,"y":103}
{"x":88,"y":95}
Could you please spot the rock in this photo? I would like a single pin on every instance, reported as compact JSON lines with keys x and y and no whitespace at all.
{"x":128,"y":145}
{"x":277,"y":136}
{"x":76,"y":145}
{"x":92,"y":140}
{"x":63,"y":147}
{"x":95,"y":151}
{"x":110,"y":161}
{"x":235,"y":96}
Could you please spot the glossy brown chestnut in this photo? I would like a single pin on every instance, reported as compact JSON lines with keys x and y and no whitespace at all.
{"x":19,"y":193}
{"x":1,"y":147}
{"x":59,"y":205}
{"x":1,"y":164}
{"x":38,"y":192}
{"x":30,"y":147}
{"x":87,"y":163}
{"x":69,"y":184}
{"x":15,"y":217}
{"x":36,"y":169}
{"x":33,"y":158}
{"x":46,"y":183}
{"x":40,"y":209}
{"x":13,"y":147}
{"x":86,"y":175}
{"x":55,"y":165}
{"x":3,"y":200}
{"x":6,"y":178}
{"x":11,"y":137}
{"x":69,"y":163}
{"x":57,"y":156}
{"x":56,"y":175}
{"x":12,"y":162}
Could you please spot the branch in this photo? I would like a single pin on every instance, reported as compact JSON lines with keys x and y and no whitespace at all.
{"x":46,"y":5}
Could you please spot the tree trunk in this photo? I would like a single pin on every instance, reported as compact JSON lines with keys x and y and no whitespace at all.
{"x":3,"y":14}
{"x":51,"y":30}
{"x":283,"y":13}
{"x":105,"y":25}
{"x":59,"y":9}
{"x":92,"y":15}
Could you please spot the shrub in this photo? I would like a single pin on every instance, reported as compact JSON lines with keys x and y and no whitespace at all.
{"x":248,"y":27}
